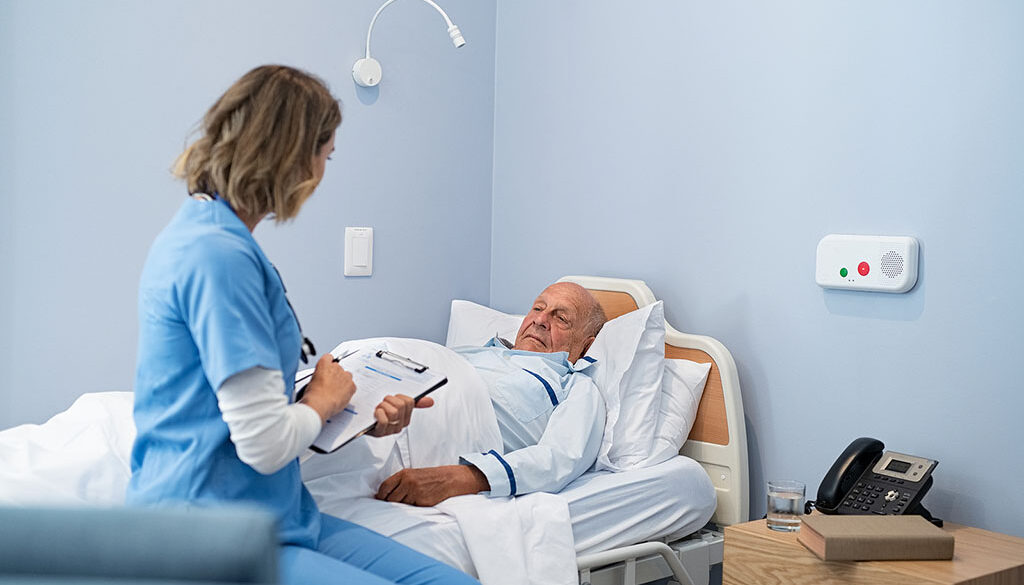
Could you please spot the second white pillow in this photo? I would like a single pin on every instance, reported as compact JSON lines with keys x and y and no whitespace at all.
{"x":681,"y":390}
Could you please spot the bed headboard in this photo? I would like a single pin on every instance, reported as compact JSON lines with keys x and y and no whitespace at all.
{"x":718,"y":440}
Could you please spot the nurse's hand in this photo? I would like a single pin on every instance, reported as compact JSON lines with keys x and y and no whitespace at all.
{"x":330,"y":390}
{"x":395,"y":412}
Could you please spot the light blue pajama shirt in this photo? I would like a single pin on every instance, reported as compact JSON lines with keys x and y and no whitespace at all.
{"x":550,"y":414}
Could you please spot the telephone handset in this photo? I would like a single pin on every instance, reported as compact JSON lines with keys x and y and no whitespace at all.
{"x":867,"y":479}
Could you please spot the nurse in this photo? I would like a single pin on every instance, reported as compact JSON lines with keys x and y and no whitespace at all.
{"x":219,"y":344}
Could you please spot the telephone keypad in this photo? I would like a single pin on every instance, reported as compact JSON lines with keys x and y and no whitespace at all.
{"x":872,"y":492}
{"x":890,"y":499}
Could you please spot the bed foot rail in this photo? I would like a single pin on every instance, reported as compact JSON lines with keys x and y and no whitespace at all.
{"x":687,"y":561}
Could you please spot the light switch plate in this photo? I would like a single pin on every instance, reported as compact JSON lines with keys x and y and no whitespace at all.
{"x":869,"y":263}
{"x":358,"y":251}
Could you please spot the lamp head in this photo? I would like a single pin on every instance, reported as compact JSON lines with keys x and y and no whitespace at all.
{"x":366,"y":72}
{"x":456,"y":35}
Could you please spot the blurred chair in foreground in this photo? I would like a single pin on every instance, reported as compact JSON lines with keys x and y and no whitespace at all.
{"x":136,"y":545}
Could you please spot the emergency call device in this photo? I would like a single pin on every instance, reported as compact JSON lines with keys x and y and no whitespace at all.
{"x":868,"y":263}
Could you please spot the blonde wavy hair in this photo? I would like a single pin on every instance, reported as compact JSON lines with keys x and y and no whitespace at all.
{"x":259,"y":140}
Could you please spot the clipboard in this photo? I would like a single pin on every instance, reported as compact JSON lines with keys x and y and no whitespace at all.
{"x":376,"y":374}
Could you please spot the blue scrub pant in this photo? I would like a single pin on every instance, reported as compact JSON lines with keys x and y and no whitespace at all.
{"x":349,"y":553}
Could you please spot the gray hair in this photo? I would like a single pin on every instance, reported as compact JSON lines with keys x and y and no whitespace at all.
{"x":595,"y":318}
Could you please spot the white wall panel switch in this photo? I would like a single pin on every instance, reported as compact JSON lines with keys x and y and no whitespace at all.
{"x":358,"y":251}
{"x":870,"y":263}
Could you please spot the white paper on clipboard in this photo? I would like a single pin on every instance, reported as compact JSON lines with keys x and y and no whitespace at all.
{"x":376,"y":374}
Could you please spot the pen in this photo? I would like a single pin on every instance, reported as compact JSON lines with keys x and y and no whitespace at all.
{"x":298,"y":394}
{"x":345,"y":355}
{"x":402,"y":361}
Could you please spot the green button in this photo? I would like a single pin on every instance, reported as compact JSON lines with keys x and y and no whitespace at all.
{"x":843,"y":272}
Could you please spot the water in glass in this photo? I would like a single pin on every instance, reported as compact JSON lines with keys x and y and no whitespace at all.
{"x":785,"y":505}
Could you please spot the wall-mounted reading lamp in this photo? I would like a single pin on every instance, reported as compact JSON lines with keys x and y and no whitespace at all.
{"x":367,"y":71}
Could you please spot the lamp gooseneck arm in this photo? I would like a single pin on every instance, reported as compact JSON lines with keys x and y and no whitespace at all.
{"x":373,"y":20}
{"x":456,"y":36}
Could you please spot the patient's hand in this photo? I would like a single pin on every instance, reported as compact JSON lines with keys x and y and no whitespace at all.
{"x":394,"y":413}
{"x":330,"y":390}
{"x":429,"y":486}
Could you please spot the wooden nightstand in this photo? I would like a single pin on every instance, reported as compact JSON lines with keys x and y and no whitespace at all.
{"x":755,"y":555}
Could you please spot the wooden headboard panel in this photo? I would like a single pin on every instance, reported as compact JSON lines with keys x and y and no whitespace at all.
{"x":718,"y":438}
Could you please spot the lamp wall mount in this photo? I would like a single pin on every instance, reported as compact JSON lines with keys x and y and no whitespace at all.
{"x":366,"y":72}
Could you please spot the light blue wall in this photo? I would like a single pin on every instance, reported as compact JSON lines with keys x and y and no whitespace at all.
{"x":98,"y":98}
{"x":706,"y":147}
{"x":702,"y":147}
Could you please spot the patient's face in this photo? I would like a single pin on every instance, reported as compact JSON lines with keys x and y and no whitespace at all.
{"x":555,"y":322}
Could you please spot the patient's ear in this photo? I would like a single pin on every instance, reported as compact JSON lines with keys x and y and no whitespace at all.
{"x":586,"y":345}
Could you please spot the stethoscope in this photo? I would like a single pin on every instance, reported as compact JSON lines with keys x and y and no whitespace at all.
{"x":307,"y":348}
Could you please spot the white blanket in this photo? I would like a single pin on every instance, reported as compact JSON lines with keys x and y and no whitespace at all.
{"x":534,"y":544}
{"x":515,"y":541}
{"x":81,"y":457}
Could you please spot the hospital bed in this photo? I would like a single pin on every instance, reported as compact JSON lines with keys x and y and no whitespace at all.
{"x":630,"y":527}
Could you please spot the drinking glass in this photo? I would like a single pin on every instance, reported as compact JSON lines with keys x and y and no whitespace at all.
{"x":785,"y":504}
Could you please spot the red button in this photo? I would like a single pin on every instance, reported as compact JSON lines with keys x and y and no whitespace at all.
{"x":863,"y":268}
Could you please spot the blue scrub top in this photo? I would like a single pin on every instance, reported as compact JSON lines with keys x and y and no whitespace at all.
{"x":210,"y":306}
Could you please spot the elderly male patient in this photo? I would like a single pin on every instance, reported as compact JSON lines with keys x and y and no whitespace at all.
{"x":550,"y":413}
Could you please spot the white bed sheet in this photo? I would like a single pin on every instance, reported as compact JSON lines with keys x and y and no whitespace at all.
{"x":671,"y":499}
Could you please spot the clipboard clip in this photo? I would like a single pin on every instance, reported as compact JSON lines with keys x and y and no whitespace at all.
{"x":401,"y":360}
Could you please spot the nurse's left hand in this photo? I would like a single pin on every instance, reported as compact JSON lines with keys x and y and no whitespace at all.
{"x":394,"y":413}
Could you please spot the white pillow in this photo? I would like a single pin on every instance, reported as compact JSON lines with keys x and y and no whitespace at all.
{"x":630,"y":354}
{"x":473,"y":324}
{"x":681,"y":390}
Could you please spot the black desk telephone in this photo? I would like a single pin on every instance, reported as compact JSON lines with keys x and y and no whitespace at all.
{"x":866,"y":479}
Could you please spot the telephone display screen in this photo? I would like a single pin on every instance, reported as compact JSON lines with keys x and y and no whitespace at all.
{"x":897,"y":466}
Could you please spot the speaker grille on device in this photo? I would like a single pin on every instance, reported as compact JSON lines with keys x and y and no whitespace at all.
{"x":892,"y":264}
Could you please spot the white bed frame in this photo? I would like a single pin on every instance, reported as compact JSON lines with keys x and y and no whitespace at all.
{"x":718,"y":442}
